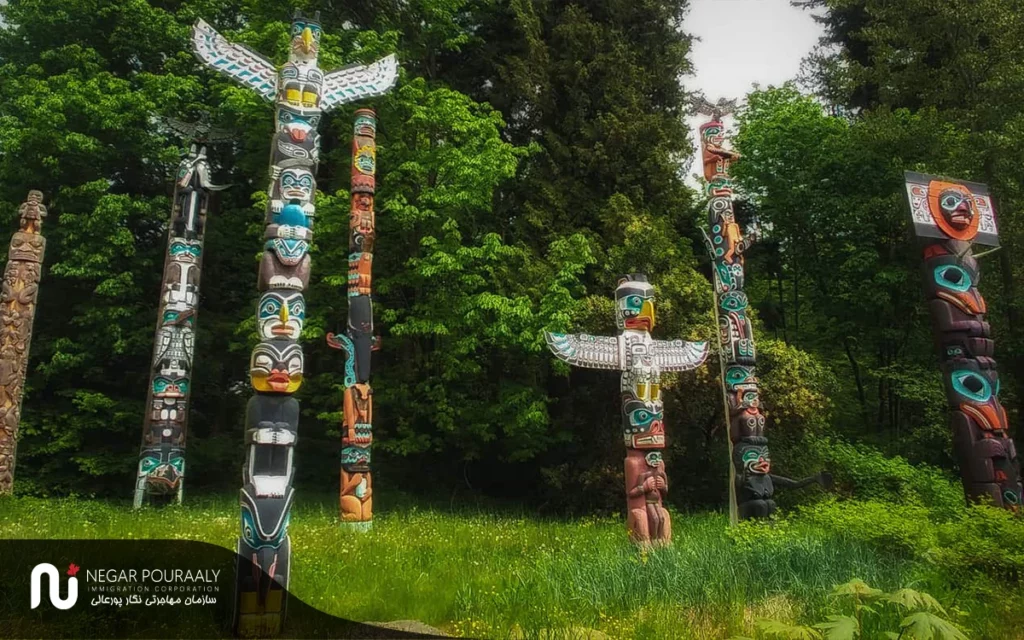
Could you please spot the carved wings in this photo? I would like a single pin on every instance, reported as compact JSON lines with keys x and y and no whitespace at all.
{"x":676,"y":355}
{"x":582,"y":350}
{"x":357,"y":81}
{"x":237,"y":61}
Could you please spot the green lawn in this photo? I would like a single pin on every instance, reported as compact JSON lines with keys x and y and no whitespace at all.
{"x":502,"y":575}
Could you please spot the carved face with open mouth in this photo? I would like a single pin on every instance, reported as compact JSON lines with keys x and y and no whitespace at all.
{"x":276,"y":366}
{"x":756,"y":459}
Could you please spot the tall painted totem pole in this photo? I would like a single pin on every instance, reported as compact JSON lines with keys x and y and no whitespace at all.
{"x":161,"y":474}
{"x":301,"y":92}
{"x":948,"y":216}
{"x":642,"y":360}
{"x":356,"y":499}
{"x":17,"y":312}
{"x":752,"y":484}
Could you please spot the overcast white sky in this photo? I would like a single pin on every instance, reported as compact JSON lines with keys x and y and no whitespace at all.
{"x":743,"y":42}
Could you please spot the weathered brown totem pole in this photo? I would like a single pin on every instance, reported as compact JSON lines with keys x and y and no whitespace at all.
{"x":356,"y":499}
{"x":17,"y":312}
{"x":752,"y":484}
{"x":642,"y":360}
{"x":302,"y":92}
{"x":161,"y":472}
{"x":948,"y":216}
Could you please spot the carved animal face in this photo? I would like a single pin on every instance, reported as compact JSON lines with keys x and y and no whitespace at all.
{"x":754,"y":459}
{"x":642,"y":423}
{"x":305,"y":44}
{"x":634,"y":304}
{"x":297,"y":123}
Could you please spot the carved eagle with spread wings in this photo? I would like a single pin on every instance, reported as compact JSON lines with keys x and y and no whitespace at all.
{"x":249,"y":68}
{"x":609,"y":352}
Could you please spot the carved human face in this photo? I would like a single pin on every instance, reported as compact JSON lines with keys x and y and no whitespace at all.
{"x":281,"y":314}
{"x":653,"y":459}
{"x":276,"y":366}
{"x":297,"y":184}
{"x":956,"y":206}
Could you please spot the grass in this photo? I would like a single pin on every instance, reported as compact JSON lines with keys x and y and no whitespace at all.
{"x":508,"y":575}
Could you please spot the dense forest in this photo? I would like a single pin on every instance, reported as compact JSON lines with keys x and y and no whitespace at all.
{"x":532,"y":151}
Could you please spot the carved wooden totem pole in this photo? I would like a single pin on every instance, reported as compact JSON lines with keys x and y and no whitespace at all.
{"x":948,"y":216}
{"x":17,"y":312}
{"x":752,"y":484}
{"x":161,"y":474}
{"x":356,"y":499}
{"x":642,"y":360}
{"x":301,"y":92}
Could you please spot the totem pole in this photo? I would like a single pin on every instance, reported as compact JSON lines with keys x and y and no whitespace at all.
{"x":161,"y":474}
{"x":642,"y":360}
{"x":949,"y":215}
{"x":356,"y":499}
{"x":17,"y":312}
{"x":752,"y":484}
{"x":302,"y":92}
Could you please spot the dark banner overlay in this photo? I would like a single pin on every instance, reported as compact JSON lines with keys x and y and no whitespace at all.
{"x":139,"y":589}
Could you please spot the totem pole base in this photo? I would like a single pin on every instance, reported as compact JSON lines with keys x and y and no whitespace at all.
{"x":359,"y":527}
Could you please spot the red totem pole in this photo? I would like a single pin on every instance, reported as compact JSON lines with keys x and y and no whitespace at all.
{"x":358,"y":341}
{"x":949,"y":215}
{"x":17,"y":311}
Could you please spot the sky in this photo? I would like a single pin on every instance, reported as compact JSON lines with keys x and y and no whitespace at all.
{"x":743,"y":42}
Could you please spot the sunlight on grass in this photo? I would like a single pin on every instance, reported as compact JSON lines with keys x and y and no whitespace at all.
{"x":504,"y":575}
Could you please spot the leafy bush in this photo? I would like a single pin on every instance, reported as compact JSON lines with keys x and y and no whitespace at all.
{"x":867,"y":473}
{"x":866,"y":612}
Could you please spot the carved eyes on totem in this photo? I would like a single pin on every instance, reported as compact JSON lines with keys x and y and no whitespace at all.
{"x":147,"y":464}
{"x":287,"y":118}
{"x":953,"y":277}
{"x":951,"y":200}
{"x":736,"y":375}
{"x":301,"y":181}
{"x":973,"y":386}
{"x":163,"y":386}
{"x":179,"y":248}
{"x":643,"y":418}
{"x":271,"y":308}
{"x":299,"y":27}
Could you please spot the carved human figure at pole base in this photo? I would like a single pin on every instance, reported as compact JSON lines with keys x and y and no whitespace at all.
{"x":641,"y":360}
{"x":17,"y":311}
{"x":301,"y":93}
{"x":949,"y":215}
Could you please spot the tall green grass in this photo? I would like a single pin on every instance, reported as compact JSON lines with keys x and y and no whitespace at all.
{"x":507,"y":575}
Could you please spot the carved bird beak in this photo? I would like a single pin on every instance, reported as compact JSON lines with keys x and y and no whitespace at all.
{"x":307,"y":40}
{"x":647,"y":311}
